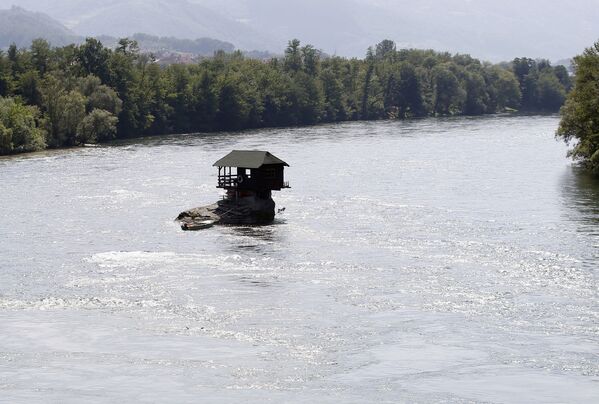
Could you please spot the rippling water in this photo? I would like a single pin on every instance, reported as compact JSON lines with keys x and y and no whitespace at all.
{"x":440,"y":260}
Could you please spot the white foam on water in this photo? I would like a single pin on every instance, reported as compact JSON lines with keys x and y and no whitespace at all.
{"x":457,"y":279}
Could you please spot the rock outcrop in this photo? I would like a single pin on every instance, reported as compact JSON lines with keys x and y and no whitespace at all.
{"x":250,"y":210}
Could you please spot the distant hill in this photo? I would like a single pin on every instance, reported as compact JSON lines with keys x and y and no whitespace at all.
{"x":165,"y":18}
{"x":21,"y":27}
{"x":486,"y":29}
{"x":154,"y":44}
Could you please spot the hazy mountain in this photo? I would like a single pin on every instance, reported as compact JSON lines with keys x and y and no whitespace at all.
{"x":21,"y":27}
{"x":489,"y":29}
{"x":499,"y":29}
{"x":166,"y":18}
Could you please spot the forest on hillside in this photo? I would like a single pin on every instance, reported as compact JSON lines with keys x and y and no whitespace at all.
{"x":77,"y":94}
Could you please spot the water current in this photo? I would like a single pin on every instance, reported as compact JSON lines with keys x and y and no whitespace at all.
{"x":437,"y":260}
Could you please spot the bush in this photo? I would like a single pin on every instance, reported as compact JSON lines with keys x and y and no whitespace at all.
{"x":19,"y":128}
{"x":98,"y":125}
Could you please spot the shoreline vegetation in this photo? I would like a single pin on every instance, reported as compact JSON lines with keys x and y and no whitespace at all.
{"x":580,"y":115}
{"x":86,"y":94}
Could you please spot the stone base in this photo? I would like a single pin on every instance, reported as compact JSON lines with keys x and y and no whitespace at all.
{"x":243,"y":211}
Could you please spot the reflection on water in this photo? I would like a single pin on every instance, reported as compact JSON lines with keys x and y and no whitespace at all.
{"x":258,"y":239}
{"x":267,"y":233}
{"x":256,"y":282}
{"x":581,"y":197}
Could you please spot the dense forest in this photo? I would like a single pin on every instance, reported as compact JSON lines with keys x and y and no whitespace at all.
{"x":580,"y":114}
{"x":65,"y":96}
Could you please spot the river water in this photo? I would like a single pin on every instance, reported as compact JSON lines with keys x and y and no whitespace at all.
{"x":437,"y":260}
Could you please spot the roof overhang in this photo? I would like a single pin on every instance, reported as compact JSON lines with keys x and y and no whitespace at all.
{"x":249,"y":159}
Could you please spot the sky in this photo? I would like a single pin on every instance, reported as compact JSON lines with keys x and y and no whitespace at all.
{"x":491,"y":30}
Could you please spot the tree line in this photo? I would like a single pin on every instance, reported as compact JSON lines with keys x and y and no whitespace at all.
{"x":580,"y":115}
{"x":77,"y":94}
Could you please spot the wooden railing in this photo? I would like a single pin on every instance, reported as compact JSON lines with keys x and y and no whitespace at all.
{"x":232,"y":181}
{"x":228,"y":181}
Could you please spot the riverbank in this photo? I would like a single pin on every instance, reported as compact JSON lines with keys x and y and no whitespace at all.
{"x":233,"y":133}
{"x":94,"y":94}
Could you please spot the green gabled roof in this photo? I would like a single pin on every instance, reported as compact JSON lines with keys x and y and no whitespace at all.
{"x":249,"y":159}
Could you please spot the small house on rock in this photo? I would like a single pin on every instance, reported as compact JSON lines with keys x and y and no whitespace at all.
{"x":249,"y":177}
{"x":255,"y":171}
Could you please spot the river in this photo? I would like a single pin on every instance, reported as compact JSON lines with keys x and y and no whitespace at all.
{"x":436,"y":260}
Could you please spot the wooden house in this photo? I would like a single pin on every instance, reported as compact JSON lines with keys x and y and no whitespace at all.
{"x":245,"y":172}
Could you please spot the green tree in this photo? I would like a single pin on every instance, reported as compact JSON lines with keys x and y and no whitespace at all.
{"x":411,"y":103}
{"x":180,"y":97}
{"x":390,"y":81}
{"x":129,"y":77}
{"x":233,"y":109}
{"x":204,"y":102}
{"x":384,"y":49}
{"x":29,"y":87}
{"x":52,"y":90}
{"x":72,"y":106}
{"x":19,"y":127}
{"x":98,"y":125}
{"x":563,"y":76}
{"x":580,"y":123}
{"x":6,"y":145}
{"x":41,"y":55}
{"x":550,"y":92}
{"x":293,"y":57}
{"x":277,"y":97}
{"x":156,"y":90}
{"x":93,"y":58}
{"x":64,"y":110}
{"x":65,"y":60}
{"x":6,"y":78}
{"x":13,"y":53}
{"x":310,"y":98}
{"x":526,"y":72}
{"x":334,"y":102}
{"x":367,"y":84}
{"x":449,"y":97}
{"x":503,"y":88}
{"x":310,"y":60}
{"x":98,"y":95}
{"x":477,"y":96}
